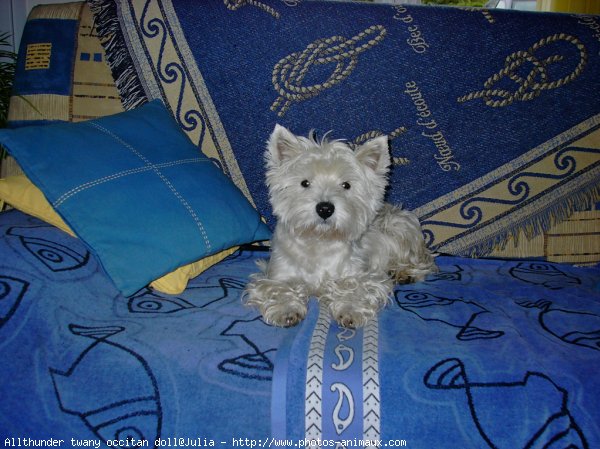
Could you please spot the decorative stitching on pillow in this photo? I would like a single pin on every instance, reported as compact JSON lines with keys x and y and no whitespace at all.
{"x":121,"y":174}
{"x":162,"y":177}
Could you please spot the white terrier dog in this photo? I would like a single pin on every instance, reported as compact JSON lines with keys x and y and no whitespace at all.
{"x":335,"y":237}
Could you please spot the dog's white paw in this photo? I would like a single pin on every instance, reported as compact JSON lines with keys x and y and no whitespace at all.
{"x":349,"y":316}
{"x":284,"y":314}
{"x":280,"y":303}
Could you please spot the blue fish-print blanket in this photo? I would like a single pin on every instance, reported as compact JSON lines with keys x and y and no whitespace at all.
{"x":485,"y":354}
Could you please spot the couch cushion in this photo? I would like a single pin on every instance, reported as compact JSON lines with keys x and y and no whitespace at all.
{"x":134,"y":188}
{"x":19,"y":192}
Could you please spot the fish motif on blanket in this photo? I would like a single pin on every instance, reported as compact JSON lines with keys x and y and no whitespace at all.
{"x":56,"y":255}
{"x":256,"y":363}
{"x":151,"y":301}
{"x":125,"y":407}
{"x":546,"y":274}
{"x":535,"y":405}
{"x":571,"y":326}
{"x":454,"y":312}
{"x":12,"y":291}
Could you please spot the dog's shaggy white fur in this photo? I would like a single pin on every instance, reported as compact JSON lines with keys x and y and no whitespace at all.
{"x":335,"y":237}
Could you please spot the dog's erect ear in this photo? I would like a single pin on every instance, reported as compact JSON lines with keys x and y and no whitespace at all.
{"x":282,"y":145}
{"x":375,"y":154}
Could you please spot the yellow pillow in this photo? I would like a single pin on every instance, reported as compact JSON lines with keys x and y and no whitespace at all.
{"x":22,"y":194}
{"x":176,"y":281}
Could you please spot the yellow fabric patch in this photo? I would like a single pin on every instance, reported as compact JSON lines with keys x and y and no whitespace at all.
{"x":56,"y":11}
{"x":22,"y":194}
{"x":94,"y":92}
{"x":39,"y":107}
{"x":38,"y":56}
{"x":176,"y":282}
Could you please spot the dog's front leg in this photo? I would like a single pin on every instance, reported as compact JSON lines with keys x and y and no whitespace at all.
{"x":281,"y":303}
{"x":355,"y":300}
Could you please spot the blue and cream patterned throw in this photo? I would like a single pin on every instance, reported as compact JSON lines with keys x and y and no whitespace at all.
{"x":493,"y":115}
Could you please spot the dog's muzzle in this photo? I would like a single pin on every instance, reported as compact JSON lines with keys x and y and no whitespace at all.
{"x":325,"y":209}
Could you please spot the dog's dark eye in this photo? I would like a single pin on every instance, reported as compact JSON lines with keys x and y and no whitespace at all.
{"x":305,"y":183}
{"x":346,"y":185}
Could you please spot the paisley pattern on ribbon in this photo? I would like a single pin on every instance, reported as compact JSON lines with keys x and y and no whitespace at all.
{"x":342,"y":382}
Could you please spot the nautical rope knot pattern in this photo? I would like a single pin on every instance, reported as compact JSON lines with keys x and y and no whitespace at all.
{"x":342,"y":53}
{"x":234,"y":5}
{"x":536,"y":80}
{"x":376,"y":133}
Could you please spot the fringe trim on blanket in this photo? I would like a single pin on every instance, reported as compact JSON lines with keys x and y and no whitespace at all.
{"x":534,"y":225}
{"x":119,"y":60}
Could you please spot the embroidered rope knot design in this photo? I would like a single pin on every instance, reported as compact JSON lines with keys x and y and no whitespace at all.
{"x":376,"y":133}
{"x":485,"y":12}
{"x":536,"y":81}
{"x":234,"y":5}
{"x":289,"y":72}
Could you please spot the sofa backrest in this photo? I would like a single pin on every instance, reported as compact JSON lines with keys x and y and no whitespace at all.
{"x":493,"y":115}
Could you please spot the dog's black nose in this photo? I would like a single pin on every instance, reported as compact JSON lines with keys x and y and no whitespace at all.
{"x":325,"y":209}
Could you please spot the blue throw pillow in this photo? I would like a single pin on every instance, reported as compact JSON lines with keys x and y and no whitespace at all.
{"x":136,"y":191}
